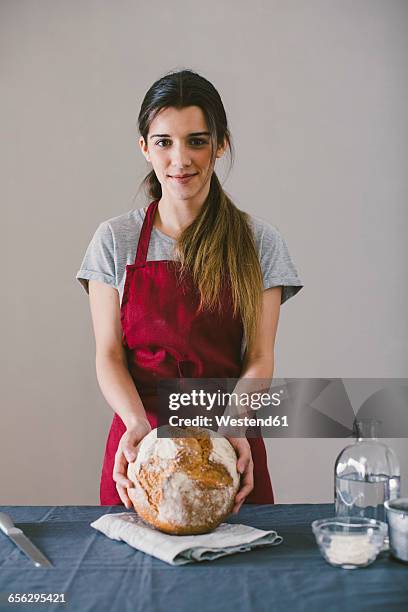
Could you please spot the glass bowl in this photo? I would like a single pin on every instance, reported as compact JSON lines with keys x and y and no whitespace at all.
{"x":349,"y":542}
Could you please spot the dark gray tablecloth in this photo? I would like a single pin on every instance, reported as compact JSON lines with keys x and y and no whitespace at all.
{"x":97,"y":573}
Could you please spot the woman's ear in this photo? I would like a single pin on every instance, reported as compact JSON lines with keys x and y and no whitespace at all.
{"x":221,"y":148}
{"x":144,"y":149}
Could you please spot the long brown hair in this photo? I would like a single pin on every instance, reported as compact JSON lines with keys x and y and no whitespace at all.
{"x":218,"y":247}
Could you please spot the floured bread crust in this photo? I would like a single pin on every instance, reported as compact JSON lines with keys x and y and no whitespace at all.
{"x":184,"y":485}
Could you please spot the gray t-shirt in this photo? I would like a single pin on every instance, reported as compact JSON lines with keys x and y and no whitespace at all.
{"x":114,"y":244}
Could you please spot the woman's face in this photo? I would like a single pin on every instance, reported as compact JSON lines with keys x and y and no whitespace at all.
{"x":179,"y":149}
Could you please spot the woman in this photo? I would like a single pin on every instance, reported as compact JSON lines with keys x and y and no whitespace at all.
{"x":189,"y":286}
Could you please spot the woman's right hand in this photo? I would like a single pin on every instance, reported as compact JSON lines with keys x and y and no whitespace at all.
{"x":126,"y":453}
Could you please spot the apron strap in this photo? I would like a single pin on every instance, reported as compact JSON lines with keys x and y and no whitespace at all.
{"x":144,"y":238}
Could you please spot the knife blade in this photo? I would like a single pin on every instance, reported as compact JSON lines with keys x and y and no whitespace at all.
{"x":23,"y":543}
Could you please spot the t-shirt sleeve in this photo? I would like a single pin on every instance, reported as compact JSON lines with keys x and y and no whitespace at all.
{"x":99,"y":260}
{"x":277,"y":266}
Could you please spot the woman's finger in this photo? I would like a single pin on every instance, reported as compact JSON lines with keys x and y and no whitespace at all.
{"x":120,"y":470}
{"x":244,"y":456}
{"x":122,"y":480}
{"x":122,"y":491}
{"x":243,"y":461}
{"x":246,"y":487}
{"x":122,"y":483}
{"x":131,"y":442}
{"x":243,"y":452}
{"x":129,"y":453}
{"x":247,"y":483}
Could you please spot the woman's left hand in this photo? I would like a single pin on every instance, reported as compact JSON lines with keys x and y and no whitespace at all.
{"x":245,"y":467}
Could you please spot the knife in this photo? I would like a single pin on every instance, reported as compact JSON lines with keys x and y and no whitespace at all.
{"x":24,"y":544}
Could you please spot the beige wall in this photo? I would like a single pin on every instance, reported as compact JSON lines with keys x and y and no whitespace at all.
{"x":316,"y":96}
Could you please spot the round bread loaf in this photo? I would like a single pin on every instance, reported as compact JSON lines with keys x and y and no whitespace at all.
{"x":186,"y":482}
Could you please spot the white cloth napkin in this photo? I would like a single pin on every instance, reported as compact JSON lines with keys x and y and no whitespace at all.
{"x":227,"y":539}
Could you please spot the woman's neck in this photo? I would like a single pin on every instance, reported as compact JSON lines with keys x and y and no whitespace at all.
{"x":172,"y":217}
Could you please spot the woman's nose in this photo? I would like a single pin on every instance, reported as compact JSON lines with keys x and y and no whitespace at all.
{"x":180,"y":157}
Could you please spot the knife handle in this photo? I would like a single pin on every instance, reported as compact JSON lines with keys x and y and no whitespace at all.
{"x":7,"y":525}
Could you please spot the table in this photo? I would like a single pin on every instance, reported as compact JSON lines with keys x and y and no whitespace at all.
{"x":99,"y":574}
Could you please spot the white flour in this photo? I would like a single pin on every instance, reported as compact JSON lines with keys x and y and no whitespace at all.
{"x":165,"y":450}
{"x":353,"y":549}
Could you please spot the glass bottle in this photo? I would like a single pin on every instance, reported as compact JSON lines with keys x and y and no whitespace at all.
{"x":366,"y":474}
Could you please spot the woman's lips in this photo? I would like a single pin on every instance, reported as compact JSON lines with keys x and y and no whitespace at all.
{"x":183,"y":179}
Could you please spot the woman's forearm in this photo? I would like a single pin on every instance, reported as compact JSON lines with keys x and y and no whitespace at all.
{"x":259,"y":368}
{"x":256,"y":377}
{"x":119,"y":389}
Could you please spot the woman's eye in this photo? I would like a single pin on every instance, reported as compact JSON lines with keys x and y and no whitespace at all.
{"x":198,"y":141}
{"x":163,"y":140}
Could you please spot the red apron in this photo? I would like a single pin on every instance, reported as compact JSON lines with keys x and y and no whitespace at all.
{"x":165,"y":337}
